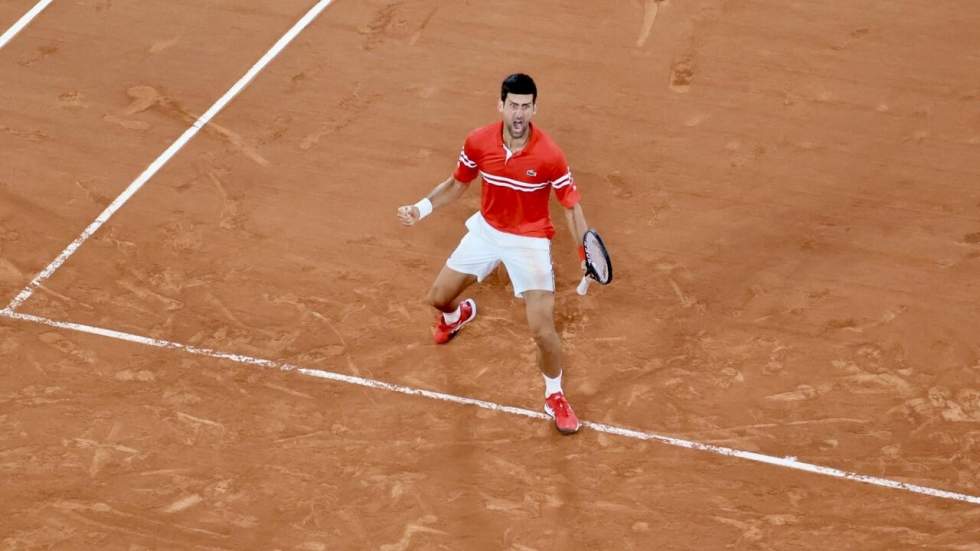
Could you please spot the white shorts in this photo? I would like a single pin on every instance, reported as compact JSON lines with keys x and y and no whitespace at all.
{"x":527,"y":259}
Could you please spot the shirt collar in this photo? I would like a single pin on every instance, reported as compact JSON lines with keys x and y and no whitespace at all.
{"x":531,"y":140}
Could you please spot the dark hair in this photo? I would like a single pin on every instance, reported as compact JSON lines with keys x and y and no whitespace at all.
{"x":518,"y":83}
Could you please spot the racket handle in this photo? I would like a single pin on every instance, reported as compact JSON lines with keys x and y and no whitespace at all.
{"x":583,"y":286}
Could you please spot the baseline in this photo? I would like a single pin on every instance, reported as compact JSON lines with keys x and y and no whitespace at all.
{"x":786,"y":462}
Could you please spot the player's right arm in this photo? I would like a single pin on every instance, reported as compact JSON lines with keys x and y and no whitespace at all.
{"x":446,"y":192}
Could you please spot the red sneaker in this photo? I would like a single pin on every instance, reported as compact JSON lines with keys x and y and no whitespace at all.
{"x":446,"y":331}
{"x":565,"y":420}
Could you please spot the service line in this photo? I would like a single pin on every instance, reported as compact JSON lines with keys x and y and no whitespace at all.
{"x":786,"y":462}
{"x":25,"y":20}
{"x":160,"y":161}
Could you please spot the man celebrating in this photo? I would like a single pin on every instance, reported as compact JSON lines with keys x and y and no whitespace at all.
{"x":519,"y":165}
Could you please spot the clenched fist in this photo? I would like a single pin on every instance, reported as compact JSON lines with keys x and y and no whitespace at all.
{"x":408,"y":215}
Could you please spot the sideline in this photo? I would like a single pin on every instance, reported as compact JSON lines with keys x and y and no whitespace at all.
{"x":23,"y":22}
{"x":160,"y":161}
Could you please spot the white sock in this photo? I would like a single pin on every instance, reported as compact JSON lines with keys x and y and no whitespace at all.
{"x":452,"y":317}
{"x":551,"y":386}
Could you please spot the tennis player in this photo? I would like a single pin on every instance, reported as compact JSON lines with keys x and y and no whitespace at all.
{"x":520,"y":165}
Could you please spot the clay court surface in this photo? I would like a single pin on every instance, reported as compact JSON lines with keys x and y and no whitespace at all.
{"x":789,"y":190}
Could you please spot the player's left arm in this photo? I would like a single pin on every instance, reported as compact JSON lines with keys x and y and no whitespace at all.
{"x":568,"y":195}
{"x":577,"y":225}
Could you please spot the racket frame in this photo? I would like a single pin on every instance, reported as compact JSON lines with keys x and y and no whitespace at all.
{"x":590,"y":272}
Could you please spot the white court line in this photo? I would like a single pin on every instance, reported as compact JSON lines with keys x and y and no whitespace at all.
{"x":23,"y":22}
{"x":9,"y":311}
{"x":156,"y":165}
{"x":787,"y":462}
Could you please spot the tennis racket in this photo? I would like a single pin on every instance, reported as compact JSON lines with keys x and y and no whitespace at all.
{"x":598,"y":267}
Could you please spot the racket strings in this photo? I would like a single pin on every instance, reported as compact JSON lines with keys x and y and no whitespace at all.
{"x":596,"y":257}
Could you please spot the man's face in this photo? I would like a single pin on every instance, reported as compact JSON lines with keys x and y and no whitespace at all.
{"x":517,"y":109}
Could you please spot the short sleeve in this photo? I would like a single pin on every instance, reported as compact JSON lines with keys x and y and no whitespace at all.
{"x":563,"y":183}
{"x":466,"y":167}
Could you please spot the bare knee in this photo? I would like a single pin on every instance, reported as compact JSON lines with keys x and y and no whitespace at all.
{"x":545,"y":335}
{"x":433,"y":299}
{"x":430,"y":297}
{"x":441,"y":299}
{"x":447,"y":287}
{"x":541,"y":318}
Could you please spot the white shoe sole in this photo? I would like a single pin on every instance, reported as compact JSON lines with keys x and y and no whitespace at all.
{"x":473,"y":317}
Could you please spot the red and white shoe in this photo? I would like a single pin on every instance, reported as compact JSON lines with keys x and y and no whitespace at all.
{"x":446,"y":331}
{"x":565,"y":420}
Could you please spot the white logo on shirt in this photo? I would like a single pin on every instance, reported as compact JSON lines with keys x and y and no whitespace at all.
{"x":531,"y":172}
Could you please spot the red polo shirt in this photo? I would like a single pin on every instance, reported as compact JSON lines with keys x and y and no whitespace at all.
{"x":516,"y":187}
